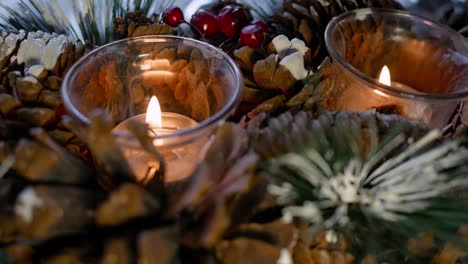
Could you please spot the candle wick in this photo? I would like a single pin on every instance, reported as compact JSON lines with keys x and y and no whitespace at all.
{"x":153,"y":131}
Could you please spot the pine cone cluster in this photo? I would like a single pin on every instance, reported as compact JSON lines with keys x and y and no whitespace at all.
{"x":32,"y":67}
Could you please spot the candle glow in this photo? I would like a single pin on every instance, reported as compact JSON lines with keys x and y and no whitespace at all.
{"x":153,"y":113}
{"x":385,"y":77}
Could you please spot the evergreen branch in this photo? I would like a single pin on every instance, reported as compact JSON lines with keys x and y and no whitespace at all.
{"x":87,"y":20}
{"x":328,"y":178}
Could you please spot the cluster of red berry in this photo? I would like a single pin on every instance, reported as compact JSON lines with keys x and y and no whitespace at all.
{"x":232,"y":21}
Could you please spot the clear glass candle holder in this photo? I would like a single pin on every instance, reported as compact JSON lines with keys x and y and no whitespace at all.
{"x":428,"y":65}
{"x":197,"y":86}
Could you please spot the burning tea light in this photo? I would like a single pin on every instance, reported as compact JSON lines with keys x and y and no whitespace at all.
{"x":178,"y":159}
{"x":385,"y":78}
{"x":198,"y":86}
{"x":425,"y":77}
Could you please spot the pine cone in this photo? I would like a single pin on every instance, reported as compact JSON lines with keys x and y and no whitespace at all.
{"x":32,"y":67}
{"x":136,"y":24}
{"x":269,"y":89}
{"x":307,"y":20}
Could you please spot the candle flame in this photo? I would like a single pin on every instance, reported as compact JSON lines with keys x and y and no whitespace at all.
{"x":385,"y":76}
{"x":153,"y":113}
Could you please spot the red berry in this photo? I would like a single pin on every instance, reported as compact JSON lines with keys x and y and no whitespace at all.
{"x":173,"y":16}
{"x":231,"y":19}
{"x":252,"y":36}
{"x":261,"y":24}
{"x":205,"y":22}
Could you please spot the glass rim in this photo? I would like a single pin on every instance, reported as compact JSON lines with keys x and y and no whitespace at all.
{"x":421,"y":96}
{"x":223,"y":113}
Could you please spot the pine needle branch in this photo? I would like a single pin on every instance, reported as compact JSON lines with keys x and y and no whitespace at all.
{"x":87,"y":20}
{"x":357,"y":178}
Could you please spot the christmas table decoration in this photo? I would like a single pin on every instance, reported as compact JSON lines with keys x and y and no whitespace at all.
{"x":279,"y":179}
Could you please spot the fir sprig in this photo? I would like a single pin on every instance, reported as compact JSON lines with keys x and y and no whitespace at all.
{"x":380,"y":188}
{"x":87,"y":20}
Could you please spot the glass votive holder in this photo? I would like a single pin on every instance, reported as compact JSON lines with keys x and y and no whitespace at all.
{"x":428,"y":65}
{"x":192,"y":87}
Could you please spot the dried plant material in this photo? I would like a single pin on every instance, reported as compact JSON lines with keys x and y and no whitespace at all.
{"x":244,"y":250}
{"x":37,"y":116}
{"x":167,"y":246}
{"x":50,"y":99}
{"x":8,"y":103}
{"x":277,"y":233}
{"x":245,"y":57}
{"x":284,"y":79}
{"x":41,"y":163}
{"x":100,"y":90}
{"x":264,"y":71}
{"x":114,"y":168}
{"x":44,"y":211}
{"x":301,"y":254}
{"x":199,"y":105}
{"x":117,"y":251}
{"x":53,"y":83}
{"x":127,"y":203}
{"x":255,"y":96}
{"x":61,"y":136}
{"x":28,"y":89}
{"x":268,"y":106}
{"x":9,"y":46}
{"x":331,"y":257}
{"x":422,"y":244}
{"x":67,"y":256}
{"x":21,"y":254}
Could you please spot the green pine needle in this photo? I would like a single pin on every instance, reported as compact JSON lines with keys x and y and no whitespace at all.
{"x":374,"y":185}
{"x":87,"y":20}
